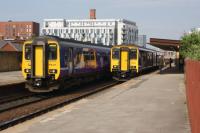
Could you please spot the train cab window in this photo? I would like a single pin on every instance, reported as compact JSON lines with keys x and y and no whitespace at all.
{"x":115,"y":53}
{"x":27,"y":52}
{"x":52,"y":52}
{"x":133,"y":54}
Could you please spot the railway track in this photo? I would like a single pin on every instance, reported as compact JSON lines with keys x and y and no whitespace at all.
{"x":14,"y":97}
{"x":23,"y":109}
{"x":13,"y":92}
{"x":20,"y":101}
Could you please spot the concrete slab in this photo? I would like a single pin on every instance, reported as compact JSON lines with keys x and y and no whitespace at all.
{"x":149,"y":104}
{"x":11,"y":77}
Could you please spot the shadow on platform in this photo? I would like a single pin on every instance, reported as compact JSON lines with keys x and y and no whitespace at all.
{"x":172,"y":70}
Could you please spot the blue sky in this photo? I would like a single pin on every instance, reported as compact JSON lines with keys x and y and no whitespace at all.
{"x":155,"y":18}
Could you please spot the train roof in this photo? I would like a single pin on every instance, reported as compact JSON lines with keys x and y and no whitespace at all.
{"x":71,"y":40}
{"x":139,"y":47}
{"x":77,"y":42}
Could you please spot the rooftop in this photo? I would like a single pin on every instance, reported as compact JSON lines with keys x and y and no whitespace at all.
{"x":93,"y":20}
{"x":16,"y":46}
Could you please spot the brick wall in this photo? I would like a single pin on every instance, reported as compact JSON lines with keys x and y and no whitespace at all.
{"x":10,"y":61}
{"x":193,"y":93}
{"x":18,"y":30}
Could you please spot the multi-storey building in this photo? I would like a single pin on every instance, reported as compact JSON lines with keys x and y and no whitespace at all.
{"x":142,"y":40}
{"x":105,"y":31}
{"x":18,"y":30}
{"x":194,"y":29}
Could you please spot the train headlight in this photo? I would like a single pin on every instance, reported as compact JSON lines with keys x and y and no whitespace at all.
{"x":27,"y":70}
{"x":115,"y":66}
{"x":54,"y":71}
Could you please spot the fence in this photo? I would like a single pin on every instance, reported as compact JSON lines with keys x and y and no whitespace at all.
{"x":193,"y":93}
{"x":10,"y":61}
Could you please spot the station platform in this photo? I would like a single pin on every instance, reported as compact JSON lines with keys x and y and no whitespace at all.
{"x":9,"y":78}
{"x":153,"y":103}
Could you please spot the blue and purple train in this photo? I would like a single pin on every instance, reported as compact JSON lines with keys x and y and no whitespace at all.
{"x":50,"y":63}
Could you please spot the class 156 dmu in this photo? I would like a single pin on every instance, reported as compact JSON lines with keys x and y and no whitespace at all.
{"x":129,"y":60}
{"x":50,"y":63}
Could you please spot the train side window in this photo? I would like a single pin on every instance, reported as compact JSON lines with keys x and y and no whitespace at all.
{"x":66,"y":58}
{"x":140,"y":59}
{"x":133,"y":54}
{"x":27,"y":52}
{"x":105,"y":58}
{"x":66,"y":55}
{"x":52,"y":52}
{"x":78,"y":57}
{"x":70,"y":54}
{"x":115,"y":54}
{"x":86,"y":55}
{"x":91,"y":55}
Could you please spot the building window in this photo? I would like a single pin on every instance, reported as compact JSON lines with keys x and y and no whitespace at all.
{"x":44,"y":32}
{"x":82,"y":31}
{"x":55,"y":31}
{"x":98,"y":31}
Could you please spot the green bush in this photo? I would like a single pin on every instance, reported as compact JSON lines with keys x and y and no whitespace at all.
{"x":190,"y":46}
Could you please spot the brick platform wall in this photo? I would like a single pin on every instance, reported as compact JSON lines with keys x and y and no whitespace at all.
{"x":193,"y":93}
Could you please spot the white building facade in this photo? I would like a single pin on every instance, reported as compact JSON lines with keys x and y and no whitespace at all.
{"x":105,"y":31}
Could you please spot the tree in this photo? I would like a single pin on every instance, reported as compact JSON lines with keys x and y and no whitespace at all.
{"x":190,"y":45}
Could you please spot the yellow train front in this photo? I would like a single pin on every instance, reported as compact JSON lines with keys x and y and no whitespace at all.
{"x":127,"y":60}
{"x":38,"y":55}
{"x":124,"y":61}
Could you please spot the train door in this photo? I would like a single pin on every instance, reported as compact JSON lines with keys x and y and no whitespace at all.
{"x":70,"y":61}
{"x":39,"y":59}
{"x":38,"y":50}
{"x":124,"y":59}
